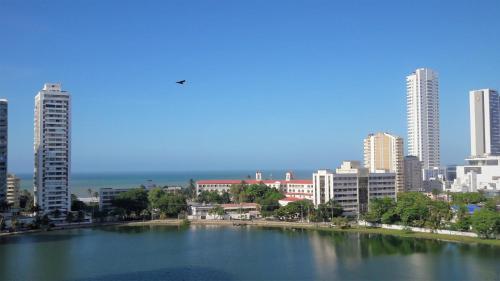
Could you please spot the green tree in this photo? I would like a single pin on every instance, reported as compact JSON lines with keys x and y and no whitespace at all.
{"x":412,"y":208}
{"x":154,"y":196}
{"x":26,"y":200}
{"x":236,"y":191}
{"x":467,"y":198}
{"x":217,"y":210}
{"x":378,"y":207}
{"x":77,"y":205}
{"x":463,"y":221}
{"x":439,"y":212}
{"x":132,"y":201}
{"x":328,"y":211}
{"x":486,"y":223}
{"x":69,"y":217}
{"x":296,"y":210}
{"x":341,"y":222}
{"x":172,"y":204}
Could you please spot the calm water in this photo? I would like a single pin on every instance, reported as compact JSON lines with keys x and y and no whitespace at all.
{"x":231,"y":253}
{"x":81,"y":182}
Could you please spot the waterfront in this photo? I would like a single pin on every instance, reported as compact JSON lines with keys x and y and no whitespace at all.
{"x":81,"y":182}
{"x":238,"y":253}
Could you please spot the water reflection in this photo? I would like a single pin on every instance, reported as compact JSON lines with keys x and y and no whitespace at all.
{"x":239,"y":253}
{"x":178,"y":273}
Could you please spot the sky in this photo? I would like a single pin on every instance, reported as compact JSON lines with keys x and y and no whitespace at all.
{"x":272,"y":84}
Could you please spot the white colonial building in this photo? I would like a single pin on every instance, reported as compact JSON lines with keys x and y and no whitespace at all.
{"x":294,"y":188}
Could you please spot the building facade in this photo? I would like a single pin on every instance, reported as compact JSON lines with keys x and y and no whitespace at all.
{"x":482,"y":170}
{"x":384,"y":152}
{"x":52,"y":149}
{"x":352,"y":187}
{"x":13,"y":187}
{"x":106,"y":196}
{"x":3,"y":148}
{"x":423,"y":116}
{"x":413,"y":174}
{"x":293,"y":188}
{"x":478,"y":174}
{"x":484,"y":122}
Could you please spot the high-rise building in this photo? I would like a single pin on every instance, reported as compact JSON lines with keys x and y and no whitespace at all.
{"x":52,"y":147}
{"x":13,"y":186}
{"x":413,"y":174}
{"x":481,"y":171}
{"x":384,"y":152}
{"x":423,"y":116}
{"x":484,"y":122}
{"x":3,"y":148}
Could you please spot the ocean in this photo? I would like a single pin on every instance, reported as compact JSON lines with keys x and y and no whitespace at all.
{"x":81,"y":182}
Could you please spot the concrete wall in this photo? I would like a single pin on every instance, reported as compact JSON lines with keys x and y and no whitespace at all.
{"x":417,"y":229}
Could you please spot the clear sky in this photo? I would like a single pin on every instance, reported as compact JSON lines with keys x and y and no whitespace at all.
{"x":271,"y":84}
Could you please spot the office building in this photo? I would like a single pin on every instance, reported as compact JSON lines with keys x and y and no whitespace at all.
{"x":13,"y":186}
{"x":384,"y":152}
{"x":482,"y":170}
{"x":478,"y":174}
{"x":52,"y":148}
{"x":423,"y":116}
{"x":413,"y":174}
{"x":484,"y":122}
{"x":106,"y":196}
{"x":352,"y":187}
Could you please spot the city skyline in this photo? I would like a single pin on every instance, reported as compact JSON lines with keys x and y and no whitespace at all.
{"x":281,"y":105}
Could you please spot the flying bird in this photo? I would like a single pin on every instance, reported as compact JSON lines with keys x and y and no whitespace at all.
{"x":181,"y":82}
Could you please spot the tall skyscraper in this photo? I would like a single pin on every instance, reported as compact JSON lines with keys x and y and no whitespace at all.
{"x":3,"y":148}
{"x":52,"y":149}
{"x":383,"y":151}
{"x":484,"y":122}
{"x":423,"y":116}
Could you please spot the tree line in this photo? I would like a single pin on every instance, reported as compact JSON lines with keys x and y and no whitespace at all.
{"x":417,"y":210}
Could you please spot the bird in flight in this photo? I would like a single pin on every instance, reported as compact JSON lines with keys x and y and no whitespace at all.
{"x":181,"y":82}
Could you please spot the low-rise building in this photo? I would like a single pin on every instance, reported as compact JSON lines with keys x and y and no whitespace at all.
{"x":352,"y":187}
{"x":106,"y":196}
{"x":231,"y":211}
{"x":479,"y":174}
{"x":296,"y":188}
{"x":13,"y":186}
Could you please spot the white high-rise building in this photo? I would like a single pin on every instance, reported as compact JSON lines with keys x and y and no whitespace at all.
{"x":52,"y":149}
{"x":482,"y":170}
{"x":484,"y":122}
{"x":423,"y":116}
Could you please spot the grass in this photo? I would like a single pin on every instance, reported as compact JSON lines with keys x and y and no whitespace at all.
{"x":423,"y":235}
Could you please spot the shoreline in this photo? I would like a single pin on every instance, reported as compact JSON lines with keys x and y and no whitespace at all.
{"x":326,"y":227}
{"x":276,"y":224}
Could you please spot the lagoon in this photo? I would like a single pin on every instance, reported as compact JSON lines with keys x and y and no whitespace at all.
{"x":203,"y":252}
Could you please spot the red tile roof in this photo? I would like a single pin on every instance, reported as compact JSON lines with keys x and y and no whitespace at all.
{"x":254,"y":181}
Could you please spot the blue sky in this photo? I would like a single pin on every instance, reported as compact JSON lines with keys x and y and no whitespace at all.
{"x":271,"y":84}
